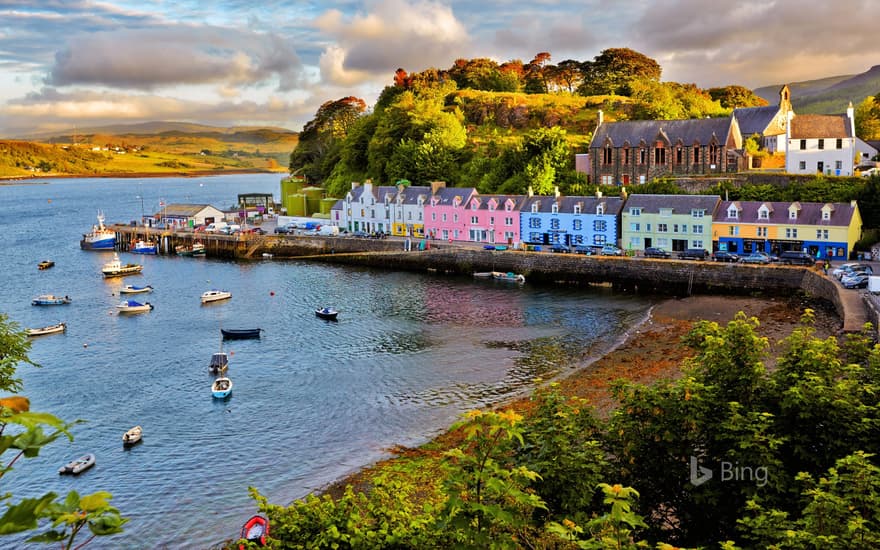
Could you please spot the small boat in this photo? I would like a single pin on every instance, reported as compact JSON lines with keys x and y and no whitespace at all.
{"x":99,"y":238}
{"x":116,"y":268}
{"x":132,"y":436}
{"x":195,"y":249}
{"x":509,"y":277}
{"x":327,"y":313}
{"x":215,"y":295}
{"x":45,"y":264}
{"x":131,"y":306}
{"x":51,"y":329}
{"x":50,"y":300}
{"x":134,"y":289}
{"x":219,"y":363}
{"x":483,"y":274}
{"x":255,"y":530}
{"x":240,"y":334}
{"x":221,"y":387}
{"x":74,"y":467}
{"x":145,"y":247}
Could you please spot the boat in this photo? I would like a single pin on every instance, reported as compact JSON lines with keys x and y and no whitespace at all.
{"x":255,"y":530}
{"x":219,"y":362}
{"x":131,"y":306}
{"x":240,"y":334}
{"x":509,"y":277}
{"x":483,"y":274}
{"x":132,"y":437}
{"x":51,"y":329}
{"x":221,"y":387}
{"x":45,"y":264}
{"x":50,"y":300}
{"x":99,"y":238}
{"x":78,"y":465}
{"x":134,"y":289}
{"x":145,"y":247}
{"x":116,"y":268}
{"x":327,"y":313}
{"x":195,"y":249}
{"x":215,"y":295}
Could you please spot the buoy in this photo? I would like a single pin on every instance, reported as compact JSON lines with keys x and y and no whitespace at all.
{"x":271,"y":293}
{"x":85,"y":345}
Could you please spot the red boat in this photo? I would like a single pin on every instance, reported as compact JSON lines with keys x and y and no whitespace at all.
{"x":255,"y":530}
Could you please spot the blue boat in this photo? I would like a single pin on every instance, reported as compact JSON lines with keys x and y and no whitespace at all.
{"x":145,"y":247}
{"x":50,"y":300}
{"x":99,"y":238}
{"x":221,"y":388}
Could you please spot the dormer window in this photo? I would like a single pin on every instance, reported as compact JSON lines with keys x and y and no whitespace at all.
{"x":792,"y":214}
{"x":763,"y":214}
{"x":474,"y":205}
{"x":732,"y":212}
{"x":577,"y":209}
{"x":600,"y":209}
{"x":535,"y":207}
{"x":826,"y":215}
{"x":555,"y":208}
{"x":509,"y":206}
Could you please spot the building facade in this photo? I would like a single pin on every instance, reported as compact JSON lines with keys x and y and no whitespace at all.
{"x":494,"y":219}
{"x":570,"y":221}
{"x":768,"y":123}
{"x":671,"y":222}
{"x":823,"y":144}
{"x":408,"y":213}
{"x":446,"y":215}
{"x":367,"y":208}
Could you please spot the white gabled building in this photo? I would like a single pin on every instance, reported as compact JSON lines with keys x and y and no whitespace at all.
{"x":368,"y":208}
{"x":820,"y":144}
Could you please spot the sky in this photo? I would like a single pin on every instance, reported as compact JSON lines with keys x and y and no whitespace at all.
{"x":83,"y":63}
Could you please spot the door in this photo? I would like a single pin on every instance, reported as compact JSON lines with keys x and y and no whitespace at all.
{"x":820,"y":167}
{"x":648,"y":242}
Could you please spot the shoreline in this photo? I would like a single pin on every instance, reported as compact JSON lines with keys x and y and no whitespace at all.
{"x":12,"y":180}
{"x":648,"y":352}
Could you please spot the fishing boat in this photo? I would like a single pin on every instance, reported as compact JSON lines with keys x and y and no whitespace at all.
{"x":240,"y":334}
{"x":219,"y":363}
{"x":78,"y":465}
{"x":221,"y":387}
{"x":50,"y":300}
{"x":51,"y":329}
{"x":45,"y":264}
{"x":195,"y":249}
{"x":99,"y":238}
{"x":131,"y":306}
{"x":326,"y":313}
{"x":255,"y":530}
{"x":134,"y":289}
{"x":510,"y":277}
{"x":132,"y":437}
{"x":145,"y":247}
{"x":116,"y":268}
{"x":215,"y":295}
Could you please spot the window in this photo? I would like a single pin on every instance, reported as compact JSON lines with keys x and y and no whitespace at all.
{"x":508,"y":207}
{"x":675,"y":228}
{"x":508,"y":221}
{"x":697,"y":244}
{"x":698,"y":229}
{"x":642,"y":156}
{"x":607,"y":155}
{"x":444,"y":216}
{"x":763,"y":214}
{"x":535,"y":207}
{"x":698,"y":213}
{"x":733,"y":230}
{"x":648,"y":227}
{"x":491,"y":220}
{"x":607,"y":180}
{"x":825,"y":234}
{"x":535,"y":222}
{"x":802,"y":165}
{"x":696,"y":154}
{"x":555,"y":208}
{"x":839,"y":143}
{"x":634,"y":227}
{"x":803,"y":145}
{"x":373,"y":213}
{"x":714,"y":151}
{"x":821,"y":144}
{"x":433,"y":216}
{"x":626,"y":155}
{"x":826,"y":215}
{"x":732,"y":212}
{"x":598,"y":238}
{"x":635,"y":242}
{"x":663,"y":243}
{"x":600,"y":225}
{"x":838,"y":164}
{"x":790,"y":233}
{"x":554,"y":223}
{"x":508,"y":234}
{"x":678,"y":155}
{"x":659,"y":155}
{"x":420,"y":215}
{"x":455,"y":217}
{"x":475,"y":220}
{"x":577,"y":209}
{"x":535,"y":237}
{"x":445,"y":234}
{"x":577,"y":225}
{"x":792,"y":214}
{"x":600,"y":209}
{"x":661,"y":228}
{"x":635,"y":211}
{"x":762,"y":232}
{"x":665,"y":212}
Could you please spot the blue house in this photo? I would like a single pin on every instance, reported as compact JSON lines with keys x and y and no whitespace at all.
{"x":570,"y":221}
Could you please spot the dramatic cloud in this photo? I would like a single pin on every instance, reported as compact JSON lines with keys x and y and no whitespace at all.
{"x":147,"y":59}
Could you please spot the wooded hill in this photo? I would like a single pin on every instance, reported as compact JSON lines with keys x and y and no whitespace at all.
{"x":827,"y":95}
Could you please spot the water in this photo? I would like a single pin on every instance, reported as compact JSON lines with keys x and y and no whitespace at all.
{"x":313,"y":400}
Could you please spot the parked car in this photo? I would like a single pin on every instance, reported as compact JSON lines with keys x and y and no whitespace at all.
{"x":856,"y":281}
{"x":360,"y":234}
{"x":755,"y":258}
{"x":851,"y":269}
{"x":794,"y":257}
{"x":256,"y":231}
{"x":559,"y":248}
{"x":693,"y":254}
{"x":654,"y":252}
{"x":282,"y":230}
{"x":611,"y":250}
{"x":583,"y":249}
{"x":838,"y":271}
{"x":199,"y":228}
{"x":725,"y":256}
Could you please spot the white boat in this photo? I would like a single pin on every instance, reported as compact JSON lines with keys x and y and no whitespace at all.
{"x":510,"y":277}
{"x":145,"y":247}
{"x":131,"y":306}
{"x":50,"y":300}
{"x":51,"y":329}
{"x":215,"y":295}
{"x":221,"y":388}
{"x":134,"y":289}
{"x":132,"y":436}
{"x":100,"y":238}
{"x":76,"y":466}
{"x":197,"y":249}
{"x":116,"y":268}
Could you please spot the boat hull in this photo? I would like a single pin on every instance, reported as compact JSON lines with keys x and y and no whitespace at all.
{"x":255,"y":530}
{"x":53,"y":329}
{"x":78,"y":466}
{"x":326,"y":315}
{"x":132,"y":437}
{"x":221,"y":388}
{"x":136,"y":289}
{"x":104,"y":243}
{"x":240,"y":334}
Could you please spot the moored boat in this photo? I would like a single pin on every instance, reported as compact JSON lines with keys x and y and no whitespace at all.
{"x":116,"y":268}
{"x":219,"y":363}
{"x":240,"y":334}
{"x":45,"y":264}
{"x":131,"y":306}
{"x":78,"y":465}
{"x":221,"y":387}
{"x":99,"y":238}
{"x":510,"y":277}
{"x":51,"y":329}
{"x":132,"y":436}
{"x":135,"y":289}
{"x":255,"y":530}
{"x":326,"y":313}
{"x":195,"y":249}
{"x":145,"y":247}
{"x":50,"y":300}
{"x":215,"y":295}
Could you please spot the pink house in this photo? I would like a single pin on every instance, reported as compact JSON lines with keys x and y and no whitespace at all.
{"x":446,"y":216}
{"x":494,"y":218}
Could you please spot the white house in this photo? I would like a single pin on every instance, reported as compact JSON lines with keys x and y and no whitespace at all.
{"x":182,"y":215}
{"x":408,"y":214}
{"x":820,"y":143}
{"x":367,"y":208}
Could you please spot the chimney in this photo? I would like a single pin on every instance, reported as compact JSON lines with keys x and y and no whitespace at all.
{"x":598,"y":193}
{"x":436,"y":186}
{"x":354,"y":184}
{"x":850,"y":114}
{"x":623,"y":192}
{"x":556,"y":192}
{"x":601,"y":116}
{"x":531,"y":192}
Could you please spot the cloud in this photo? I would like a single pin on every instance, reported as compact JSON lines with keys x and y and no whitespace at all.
{"x":149,"y":59}
{"x":396,"y":33}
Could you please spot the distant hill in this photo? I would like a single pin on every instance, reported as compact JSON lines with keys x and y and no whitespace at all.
{"x":827,"y":95}
{"x":147,"y":128}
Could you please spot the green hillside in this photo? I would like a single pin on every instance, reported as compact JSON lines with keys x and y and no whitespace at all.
{"x":829,"y":95}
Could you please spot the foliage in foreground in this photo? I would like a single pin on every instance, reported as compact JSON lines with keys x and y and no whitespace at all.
{"x":731,"y":453}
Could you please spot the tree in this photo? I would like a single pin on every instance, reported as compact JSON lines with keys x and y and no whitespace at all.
{"x":567,"y":74}
{"x":612,"y":71}
{"x":322,"y":137}
{"x":733,"y":96}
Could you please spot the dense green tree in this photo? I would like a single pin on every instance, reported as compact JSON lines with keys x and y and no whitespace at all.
{"x":867,"y":118}
{"x":671,"y":101}
{"x":733,"y":97}
{"x":320,"y":141}
{"x":614,"y":69}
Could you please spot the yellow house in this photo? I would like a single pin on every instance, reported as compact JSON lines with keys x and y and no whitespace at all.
{"x":825,"y":230}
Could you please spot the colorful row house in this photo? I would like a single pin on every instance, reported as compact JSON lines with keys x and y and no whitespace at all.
{"x":570,"y":221}
{"x":671,"y":222}
{"x":408,"y":214}
{"x":446,"y":214}
{"x":365,"y":208}
{"x":494,"y":219}
{"x":826,"y":231}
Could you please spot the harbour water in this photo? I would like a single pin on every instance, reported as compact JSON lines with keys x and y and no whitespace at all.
{"x":313,"y":400}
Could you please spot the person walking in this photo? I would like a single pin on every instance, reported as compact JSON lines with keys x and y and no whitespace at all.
{"x":825,"y":267}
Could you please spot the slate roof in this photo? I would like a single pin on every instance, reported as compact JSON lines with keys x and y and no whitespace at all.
{"x":810,"y":213}
{"x":500,"y":199}
{"x":820,"y":126}
{"x":680,"y":204}
{"x":446,"y":195}
{"x":338,"y":205}
{"x":177,"y":210}
{"x":412,"y":193}
{"x":754,"y":120}
{"x":696,"y":130}
{"x":613,"y":205}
